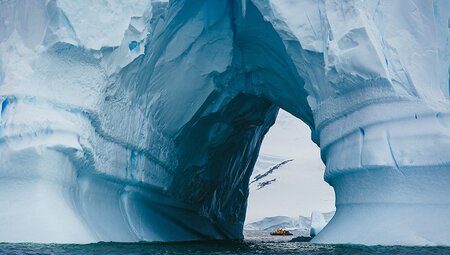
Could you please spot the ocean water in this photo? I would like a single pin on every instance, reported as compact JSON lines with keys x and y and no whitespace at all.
{"x":256,"y":242}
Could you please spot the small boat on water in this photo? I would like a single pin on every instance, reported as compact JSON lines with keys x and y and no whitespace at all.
{"x":280,"y":232}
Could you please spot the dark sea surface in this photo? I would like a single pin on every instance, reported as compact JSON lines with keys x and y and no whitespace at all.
{"x":256,"y":242}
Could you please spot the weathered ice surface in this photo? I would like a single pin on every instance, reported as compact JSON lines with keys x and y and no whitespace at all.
{"x":142,"y":120}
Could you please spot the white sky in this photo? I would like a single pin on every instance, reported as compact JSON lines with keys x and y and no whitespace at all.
{"x":299,"y":188}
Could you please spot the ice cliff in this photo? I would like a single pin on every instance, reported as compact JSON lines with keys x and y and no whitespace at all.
{"x":142,"y":120}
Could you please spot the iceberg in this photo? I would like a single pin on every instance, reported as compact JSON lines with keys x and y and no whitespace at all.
{"x":319,"y":221}
{"x":142,"y":120}
{"x":272,"y":223}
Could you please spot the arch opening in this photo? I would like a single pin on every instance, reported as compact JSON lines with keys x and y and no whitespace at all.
{"x":287,"y":183}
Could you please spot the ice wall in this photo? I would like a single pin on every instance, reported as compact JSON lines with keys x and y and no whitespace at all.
{"x":143,"y":120}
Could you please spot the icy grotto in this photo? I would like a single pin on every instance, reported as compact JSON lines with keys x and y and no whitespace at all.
{"x":142,"y":120}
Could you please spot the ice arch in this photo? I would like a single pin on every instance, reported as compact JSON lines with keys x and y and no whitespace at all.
{"x":155,"y":139}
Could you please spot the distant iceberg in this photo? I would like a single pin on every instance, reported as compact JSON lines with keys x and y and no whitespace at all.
{"x":312,"y":225}
{"x":272,"y":223}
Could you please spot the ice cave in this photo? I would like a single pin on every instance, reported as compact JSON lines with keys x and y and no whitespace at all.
{"x":142,"y":120}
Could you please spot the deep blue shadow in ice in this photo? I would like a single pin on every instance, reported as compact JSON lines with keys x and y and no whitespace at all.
{"x":133,"y":45}
{"x":7,"y":101}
